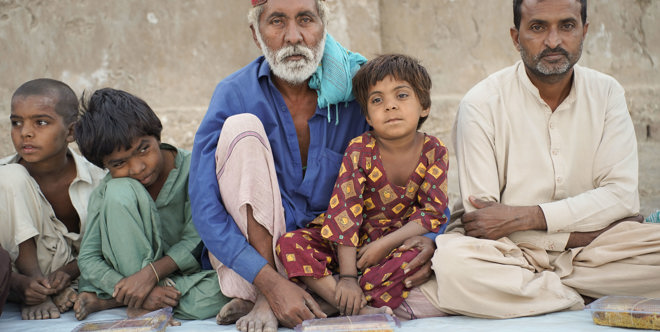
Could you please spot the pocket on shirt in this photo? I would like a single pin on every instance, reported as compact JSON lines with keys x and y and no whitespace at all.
{"x":320,"y":179}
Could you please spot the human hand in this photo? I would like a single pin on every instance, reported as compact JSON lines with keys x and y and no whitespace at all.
{"x":349,"y":296}
{"x":371,"y":254}
{"x":493,"y":220}
{"x":59,"y":280}
{"x":582,"y":239}
{"x":290,"y":303}
{"x":426,"y":248}
{"x":34,"y":290}
{"x":161,"y":297}
{"x":132,"y":290}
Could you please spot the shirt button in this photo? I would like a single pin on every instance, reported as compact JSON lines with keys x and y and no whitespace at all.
{"x":552,"y":125}
{"x":559,"y":179}
{"x":555,"y":152}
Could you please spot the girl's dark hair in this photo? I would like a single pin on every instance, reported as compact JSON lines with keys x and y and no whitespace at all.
{"x":112,"y":119}
{"x":400,"y":67}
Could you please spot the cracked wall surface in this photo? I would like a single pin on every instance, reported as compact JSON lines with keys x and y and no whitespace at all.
{"x":173,"y":53}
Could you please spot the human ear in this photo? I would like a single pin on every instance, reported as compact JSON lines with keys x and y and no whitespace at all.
{"x":69,"y":132}
{"x":515,"y":37}
{"x":254,"y":36}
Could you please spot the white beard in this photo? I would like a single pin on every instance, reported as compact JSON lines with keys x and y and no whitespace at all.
{"x":293,"y":71}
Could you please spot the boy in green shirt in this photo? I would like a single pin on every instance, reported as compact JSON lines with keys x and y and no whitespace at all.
{"x":141,"y":247}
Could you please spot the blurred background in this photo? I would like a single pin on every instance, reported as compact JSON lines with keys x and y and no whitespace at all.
{"x":172,"y":53}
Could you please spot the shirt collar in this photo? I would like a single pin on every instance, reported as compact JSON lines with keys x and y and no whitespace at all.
{"x":527,"y":83}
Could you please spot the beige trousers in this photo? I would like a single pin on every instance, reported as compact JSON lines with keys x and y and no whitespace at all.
{"x":499,"y":279}
{"x":246,"y":175}
{"x":27,"y":214}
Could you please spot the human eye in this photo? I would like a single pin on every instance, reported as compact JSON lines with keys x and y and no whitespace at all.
{"x":276,"y":21}
{"x":402,"y":95}
{"x":568,"y":26}
{"x":144,"y":149}
{"x":16,"y":123}
{"x":305,"y":19}
{"x":536,"y":27}
{"x":41,"y":122}
{"x":376,"y":100}
{"x":117,"y":164}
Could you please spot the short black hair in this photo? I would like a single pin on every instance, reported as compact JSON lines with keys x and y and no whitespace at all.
{"x":517,"y":12}
{"x":112,"y":119}
{"x":67,"y":102}
{"x":400,"y":67}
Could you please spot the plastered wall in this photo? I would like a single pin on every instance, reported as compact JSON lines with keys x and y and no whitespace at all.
{"x":172,"y":53}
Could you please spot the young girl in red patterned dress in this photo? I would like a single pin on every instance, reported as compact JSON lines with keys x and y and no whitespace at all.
{"x":392,"y":185}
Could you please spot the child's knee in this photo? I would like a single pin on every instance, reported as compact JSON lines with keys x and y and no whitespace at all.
{"x":121,"y":191}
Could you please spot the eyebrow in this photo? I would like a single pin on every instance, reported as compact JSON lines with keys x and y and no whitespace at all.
{"x":540,"y":21}
{"x":141,"y":144}
{"x":36,"y":116}
{"x":395,"y":88}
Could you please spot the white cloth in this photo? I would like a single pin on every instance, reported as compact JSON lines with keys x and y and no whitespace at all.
{"x":27,"y":213}
{"x":579,"y":163}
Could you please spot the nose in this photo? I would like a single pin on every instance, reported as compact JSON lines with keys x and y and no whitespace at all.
{"x":135,"y":167}
{"x":27,"y":131}
{"x":292,"y":34}
{"x":553,"y":39}
{"x":391,"y":104}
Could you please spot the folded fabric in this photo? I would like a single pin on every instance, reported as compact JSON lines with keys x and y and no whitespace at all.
{"x":333,"y":79}
{"x":654,"y":217}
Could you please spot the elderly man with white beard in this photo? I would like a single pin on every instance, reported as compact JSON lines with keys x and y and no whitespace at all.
{"x":266,"y":156}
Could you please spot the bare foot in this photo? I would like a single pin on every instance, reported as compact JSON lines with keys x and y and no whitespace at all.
{"x":88,"y":303}
{"x":232,"y":311}
{"x":65,"y":299}
{"x":260,"y":318}
{"x":366,"y":310}
{"x":44,"y":310}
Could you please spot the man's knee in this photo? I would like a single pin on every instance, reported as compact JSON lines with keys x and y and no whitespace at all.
{"x":241,"y":123}
{"x":451,"y":260}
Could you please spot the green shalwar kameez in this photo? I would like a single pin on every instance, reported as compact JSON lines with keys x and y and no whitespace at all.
{"x":127,"y":230}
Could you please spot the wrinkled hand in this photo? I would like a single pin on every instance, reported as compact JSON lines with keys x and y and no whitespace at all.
{"x":371,"y":254}
{"x":493,"y":220}
{"x":37,"y":290}
{"x":59,"y":280}
{"x":349,"y":297}
{"x":132,"y":290}
{"x":426,"y":248}
{"x":290,"y":303}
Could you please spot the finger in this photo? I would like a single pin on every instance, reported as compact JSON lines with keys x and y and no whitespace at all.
{"x":360,"y":263}
{"x":479,"y":203}
{"x":410,"y":243}
{"x":356,"y":305}
{"x":315,"y":308}
{"x":138,"y":301}
{"x":419,"y":277}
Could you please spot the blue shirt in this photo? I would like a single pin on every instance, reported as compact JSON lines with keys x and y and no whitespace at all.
{"x":251,"y":90}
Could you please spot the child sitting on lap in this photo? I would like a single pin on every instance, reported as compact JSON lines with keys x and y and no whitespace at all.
{"x":141,"y":246}
{"x":392,"y":185}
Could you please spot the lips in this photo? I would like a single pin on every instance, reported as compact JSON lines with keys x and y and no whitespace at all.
{"x":27,"y":148}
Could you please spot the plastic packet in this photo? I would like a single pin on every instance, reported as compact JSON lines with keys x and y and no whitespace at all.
{"x":373,"y":323}
{"x":155,"y":321}
{"x":626,"y":311}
